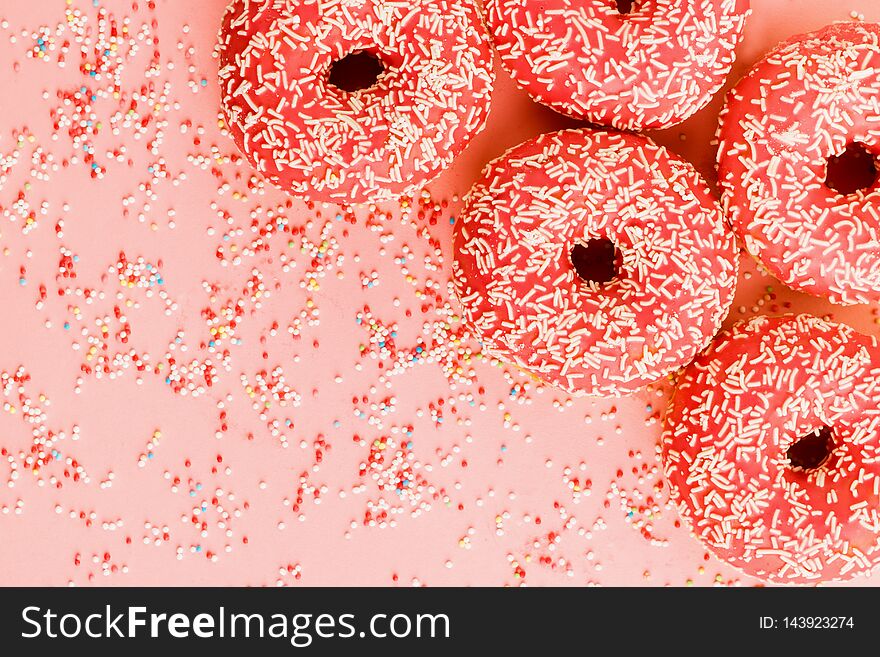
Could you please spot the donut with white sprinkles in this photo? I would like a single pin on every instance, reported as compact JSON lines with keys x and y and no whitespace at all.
{"x":799,"y":140}
{"x":631,"y":64}
{"x":595,"y":260}
{"x":772,"y":449}
{"x":354,"y":101}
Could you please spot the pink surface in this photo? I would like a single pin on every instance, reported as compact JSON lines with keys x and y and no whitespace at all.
{"x":378,"y":459}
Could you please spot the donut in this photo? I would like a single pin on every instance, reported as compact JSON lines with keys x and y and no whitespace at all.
{"x":630,"y":65}
{"x":354,"y":101}
{"x":595,"y":260}
{"x":805,"y":110}
{"x":771,"y":449}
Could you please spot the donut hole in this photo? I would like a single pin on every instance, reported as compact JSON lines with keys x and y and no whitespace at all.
{"x":852,"y":171}
{"x":356,"y":71}
{"x":625,"y":7}
{"x":595,"y":261}
{"x":812,"y":451}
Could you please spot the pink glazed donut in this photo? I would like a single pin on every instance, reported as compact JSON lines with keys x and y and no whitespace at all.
{"x":595,"y":260}
{"x":810,"y":104}
{"x":772,"y":449}
{"x":354,"y":102}
{"x":652,"y":67}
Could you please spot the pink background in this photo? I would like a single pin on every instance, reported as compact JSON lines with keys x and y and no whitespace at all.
{"x":502,"y":481}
